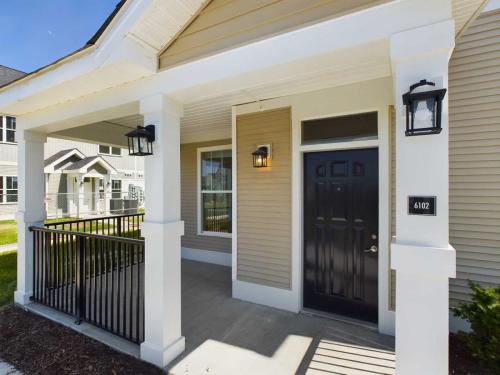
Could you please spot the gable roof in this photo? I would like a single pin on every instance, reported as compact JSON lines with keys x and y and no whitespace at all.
{"x":57,"y":156}
{"x":82,"y":166}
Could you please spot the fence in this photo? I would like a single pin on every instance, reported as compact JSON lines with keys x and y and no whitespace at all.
{"x":78,"y":205}
{"x":217,"y":220}
{"x":118,"y":225}
{"x":95,"y":278}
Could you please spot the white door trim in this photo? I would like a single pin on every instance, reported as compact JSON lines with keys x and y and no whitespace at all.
{"x":385,"y":316}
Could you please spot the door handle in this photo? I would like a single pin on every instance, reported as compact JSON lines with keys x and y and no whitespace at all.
{"x":372,"y":249}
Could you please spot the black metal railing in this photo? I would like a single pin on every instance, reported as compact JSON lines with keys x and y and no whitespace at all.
{"x":127,"y":225}
{"x":217,"y":220}
{"x":95,"y":278}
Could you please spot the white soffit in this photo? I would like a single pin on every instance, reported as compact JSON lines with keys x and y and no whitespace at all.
{"x":164,"y":20}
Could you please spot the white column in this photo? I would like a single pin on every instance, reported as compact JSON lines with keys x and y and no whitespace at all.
{"x":421,"y":254}
{"x":31,"y":207}
{"x":162,"y":229}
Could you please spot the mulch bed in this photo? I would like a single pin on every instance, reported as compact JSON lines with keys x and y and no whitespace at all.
{"x":35,"y":345}
{"x":461,"y":360}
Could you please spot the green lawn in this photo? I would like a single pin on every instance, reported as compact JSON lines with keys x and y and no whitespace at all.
{"x":8,"y":229}
{"x":8,"y":232}
{"x":8,"y":264}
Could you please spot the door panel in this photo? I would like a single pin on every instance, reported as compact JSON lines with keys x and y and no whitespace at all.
{"x":340,"y":226}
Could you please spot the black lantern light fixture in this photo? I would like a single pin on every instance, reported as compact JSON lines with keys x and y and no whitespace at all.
{"x":140,"y":140}
{"x":261,"y":156}
{"x":423,"y":109}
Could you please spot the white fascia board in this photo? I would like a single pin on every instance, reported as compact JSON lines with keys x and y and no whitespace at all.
{"x":258,"y":62}
{"x":114,"y":60}
{"x":50,"y":168}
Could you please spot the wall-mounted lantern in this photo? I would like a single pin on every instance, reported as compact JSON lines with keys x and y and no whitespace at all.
{"x":140,"y":140}
{"x":261,"y":156}
{"x":423,"y":109}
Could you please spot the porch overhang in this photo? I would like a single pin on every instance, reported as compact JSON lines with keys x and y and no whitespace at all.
{"x":122,"y":75}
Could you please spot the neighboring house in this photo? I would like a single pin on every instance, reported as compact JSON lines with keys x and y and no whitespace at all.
{"x":109,"y":174}
{"x":325,"y":222}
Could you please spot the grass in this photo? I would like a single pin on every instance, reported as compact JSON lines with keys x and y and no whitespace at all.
{"x":8,"y":266}
{"x":8,"y":229}
{"x":8,"y":232}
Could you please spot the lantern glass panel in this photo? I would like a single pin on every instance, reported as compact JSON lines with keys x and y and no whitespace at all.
{"x":424,"y":113}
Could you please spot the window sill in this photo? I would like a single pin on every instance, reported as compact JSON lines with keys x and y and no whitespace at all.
{"x":215,"y":234}
{"x":8,"y":203}
{"x":8,"y":143}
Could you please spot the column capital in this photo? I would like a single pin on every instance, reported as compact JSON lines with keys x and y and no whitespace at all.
{"x":161,"y":103}
{"x":423,"y":42}
{"x":30,"y":136}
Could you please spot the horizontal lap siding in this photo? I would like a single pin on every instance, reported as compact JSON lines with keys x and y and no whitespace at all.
{"x":189,"y":200}
{"x":475,"y":155}
{"x":225,"y":24}
{"x":264,"y":200}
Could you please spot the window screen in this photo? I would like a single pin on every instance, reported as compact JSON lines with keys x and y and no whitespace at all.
{"x":333,"y":129}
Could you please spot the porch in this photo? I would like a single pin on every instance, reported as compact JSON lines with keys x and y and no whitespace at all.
{"x":226,"y":336}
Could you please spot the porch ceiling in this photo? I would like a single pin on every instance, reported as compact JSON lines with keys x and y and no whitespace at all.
{"x":207,"y":109}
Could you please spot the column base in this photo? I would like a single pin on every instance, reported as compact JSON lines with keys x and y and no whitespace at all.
{"x":22,"y":298}
{"x":161,"y":357}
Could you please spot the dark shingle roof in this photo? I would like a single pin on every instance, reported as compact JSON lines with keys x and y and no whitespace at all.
{"x":56,"y":156}
{"x":81,"y":163}
{"x":8,"y":75}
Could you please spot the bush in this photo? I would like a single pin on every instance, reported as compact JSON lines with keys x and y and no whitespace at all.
{"x":483,"y":313}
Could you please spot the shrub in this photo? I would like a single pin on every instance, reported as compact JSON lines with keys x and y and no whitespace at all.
{"x":483,"y":313}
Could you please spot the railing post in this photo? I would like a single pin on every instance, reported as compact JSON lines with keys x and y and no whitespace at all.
{"x":80,"y":278}
{"x":119,"y":226}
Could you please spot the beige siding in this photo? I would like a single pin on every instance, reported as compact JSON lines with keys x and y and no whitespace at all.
{"x":475,"y":155}
{"x":225,"y":24}
{"x":189,"y":200}
{"x":264,"y":200}
{"x":392,"y":128}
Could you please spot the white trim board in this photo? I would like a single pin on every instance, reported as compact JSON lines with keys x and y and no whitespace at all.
{"x":283,"y":299}
{"x":207,"y":256}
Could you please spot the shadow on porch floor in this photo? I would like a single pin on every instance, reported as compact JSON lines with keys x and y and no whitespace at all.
{"x":228,"y":336}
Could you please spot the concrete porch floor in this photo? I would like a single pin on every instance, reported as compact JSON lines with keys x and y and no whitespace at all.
{"x":228,"y":336}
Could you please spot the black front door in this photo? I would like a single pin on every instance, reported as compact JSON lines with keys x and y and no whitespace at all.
{"x":341,"y":232}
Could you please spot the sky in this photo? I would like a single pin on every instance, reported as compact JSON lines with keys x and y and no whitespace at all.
{"x":35,"y":33}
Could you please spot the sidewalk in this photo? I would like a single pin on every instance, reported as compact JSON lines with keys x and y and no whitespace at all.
{"x":8,"y":247}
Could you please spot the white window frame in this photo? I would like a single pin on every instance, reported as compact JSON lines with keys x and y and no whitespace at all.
{"x":200,"y":230}
{"x":114,"y":191}
{"x":110,"y":153}
{"x":3,"y":130}
{"x":4,"y":190}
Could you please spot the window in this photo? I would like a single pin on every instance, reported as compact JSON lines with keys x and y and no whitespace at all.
{"x":110,"y":150}
{"x":7,"y":129}
{"x":116,"y":189}
{"x":215,"y":179}
{"x":8,"y":189}
{"x":342,"y":128}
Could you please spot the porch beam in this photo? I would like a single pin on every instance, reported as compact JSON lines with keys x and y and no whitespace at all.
{"x":162,"y":230}
{"x":421,"y":255}
{"x":31,"y":207}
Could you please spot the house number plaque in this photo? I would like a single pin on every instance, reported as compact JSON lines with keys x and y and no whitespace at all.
{"x":425,"y":206}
